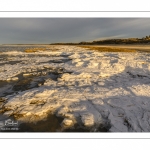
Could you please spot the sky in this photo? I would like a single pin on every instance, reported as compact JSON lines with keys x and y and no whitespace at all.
{"x":55,"y":30}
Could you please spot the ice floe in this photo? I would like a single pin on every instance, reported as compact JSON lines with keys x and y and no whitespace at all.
{"x":92,"y":89}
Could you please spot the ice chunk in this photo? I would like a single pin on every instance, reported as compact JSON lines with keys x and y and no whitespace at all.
{"x":8,"y":113}
{"x":26,"y":74}
{"x":87,"y":119}
{"x":15,"y":78}
{"x":67,"y":122}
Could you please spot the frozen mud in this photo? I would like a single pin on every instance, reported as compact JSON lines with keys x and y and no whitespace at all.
{"x":88,"y":89}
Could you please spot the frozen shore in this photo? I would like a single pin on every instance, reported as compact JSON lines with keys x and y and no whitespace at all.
{"x":89,"y":88}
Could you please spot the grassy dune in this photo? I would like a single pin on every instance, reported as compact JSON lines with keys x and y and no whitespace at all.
{"x":108,"y":49}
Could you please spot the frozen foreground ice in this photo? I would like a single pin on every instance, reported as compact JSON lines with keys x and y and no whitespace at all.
{"x":88,"y":88}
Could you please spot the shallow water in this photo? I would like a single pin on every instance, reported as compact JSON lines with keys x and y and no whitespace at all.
{"x":6,"y":48}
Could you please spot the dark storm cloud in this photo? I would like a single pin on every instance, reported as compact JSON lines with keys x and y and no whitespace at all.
{"x":49,"y":30}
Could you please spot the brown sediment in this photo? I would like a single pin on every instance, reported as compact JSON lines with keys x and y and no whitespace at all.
{"x":51,"y":124}
{"x":108,"y":49}
{"x":32,"y":50}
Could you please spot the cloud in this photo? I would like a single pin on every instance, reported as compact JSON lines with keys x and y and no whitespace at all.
{"x":49,"y":30}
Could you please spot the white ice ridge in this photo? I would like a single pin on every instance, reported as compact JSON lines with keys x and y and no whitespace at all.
{"x":103,"y":88}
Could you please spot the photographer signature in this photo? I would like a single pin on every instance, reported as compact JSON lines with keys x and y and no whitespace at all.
{"x":10,"y":122}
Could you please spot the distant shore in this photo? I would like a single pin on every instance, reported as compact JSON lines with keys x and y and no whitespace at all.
{"x":138,"y":47}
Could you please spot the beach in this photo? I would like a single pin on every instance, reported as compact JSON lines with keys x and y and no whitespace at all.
{"x":82,"y":89}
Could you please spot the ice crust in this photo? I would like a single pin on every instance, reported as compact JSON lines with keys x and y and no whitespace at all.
{"x":103,"y":88}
